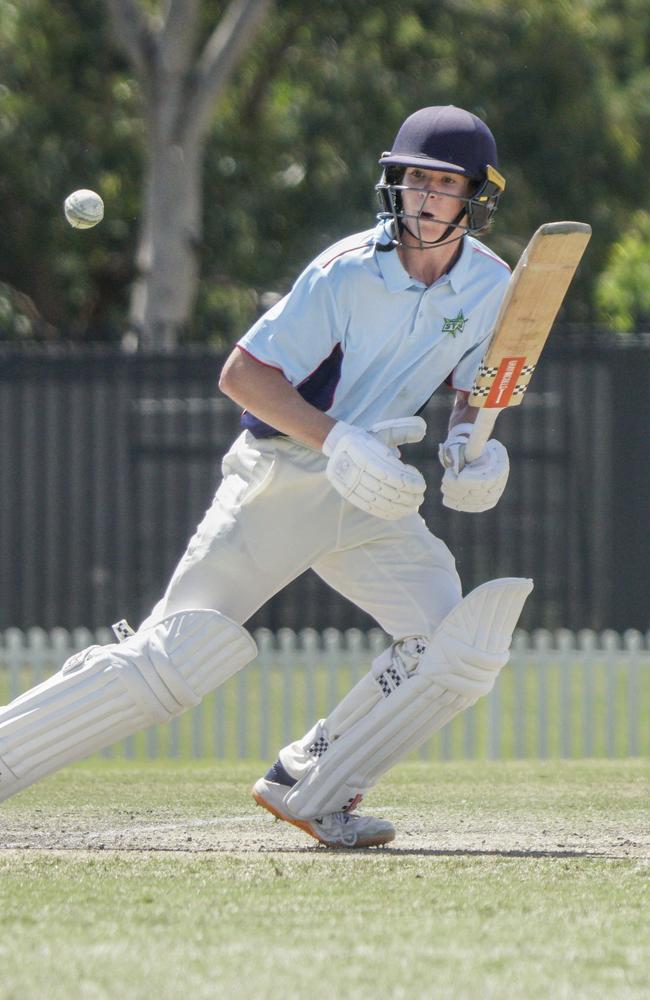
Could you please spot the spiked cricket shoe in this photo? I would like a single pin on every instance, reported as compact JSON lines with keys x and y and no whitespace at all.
{"x":339,"y":829}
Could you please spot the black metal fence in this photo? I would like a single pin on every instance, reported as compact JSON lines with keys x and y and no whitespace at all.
{"x":107,"y":462}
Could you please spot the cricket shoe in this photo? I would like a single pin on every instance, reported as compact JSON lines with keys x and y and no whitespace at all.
{"x":338,"y":829}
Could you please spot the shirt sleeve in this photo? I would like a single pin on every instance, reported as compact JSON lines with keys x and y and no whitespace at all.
{"x":300,"y":331}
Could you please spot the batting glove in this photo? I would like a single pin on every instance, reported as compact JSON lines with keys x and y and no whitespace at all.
{"x":476,"y":486}
{"x":370,"y":474}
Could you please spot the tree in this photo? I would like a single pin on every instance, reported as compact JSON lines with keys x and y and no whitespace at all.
{"x":68,"y":119}
{"x":295,"y":158}
{"x":290,"y":153}
{"x":179,"y":91}
{"x":623,"y":288}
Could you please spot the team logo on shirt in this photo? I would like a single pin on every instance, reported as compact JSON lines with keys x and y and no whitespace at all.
{"x":454,"y":326}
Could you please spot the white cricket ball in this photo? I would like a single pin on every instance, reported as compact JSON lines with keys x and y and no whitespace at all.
{"x":83,"y":209}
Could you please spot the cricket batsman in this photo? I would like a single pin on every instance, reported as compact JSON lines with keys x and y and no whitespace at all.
{"x":331,"y":381}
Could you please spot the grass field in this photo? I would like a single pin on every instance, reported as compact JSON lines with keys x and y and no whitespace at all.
{"x":151,"y":880}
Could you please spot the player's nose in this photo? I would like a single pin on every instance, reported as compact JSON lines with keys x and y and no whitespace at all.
{"x":431,"y":195}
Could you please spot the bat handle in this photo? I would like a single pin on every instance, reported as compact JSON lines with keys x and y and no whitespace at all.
{"x":485,"y":421}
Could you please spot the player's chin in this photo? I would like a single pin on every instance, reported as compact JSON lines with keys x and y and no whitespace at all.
{"x":431,"y":232}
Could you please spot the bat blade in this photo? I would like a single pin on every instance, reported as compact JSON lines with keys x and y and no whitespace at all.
{"x":532,"y":300}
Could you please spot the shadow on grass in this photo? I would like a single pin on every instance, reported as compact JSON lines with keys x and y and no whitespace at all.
{"x":319,"y":849}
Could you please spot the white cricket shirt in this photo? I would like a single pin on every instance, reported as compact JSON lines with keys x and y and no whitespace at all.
{"x":363,"y":341}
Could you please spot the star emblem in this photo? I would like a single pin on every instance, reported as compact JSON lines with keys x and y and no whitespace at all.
{"x":454,"y":326}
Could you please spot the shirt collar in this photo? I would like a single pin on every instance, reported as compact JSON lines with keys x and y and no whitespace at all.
{"x":459,"y":272}
{"x":397,"y":279}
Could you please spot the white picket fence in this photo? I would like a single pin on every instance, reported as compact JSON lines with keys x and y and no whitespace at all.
{"x":564,"y":694}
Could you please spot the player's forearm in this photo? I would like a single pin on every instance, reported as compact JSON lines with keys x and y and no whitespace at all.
{"x":462,"y":412}
{"x":267,"y":394}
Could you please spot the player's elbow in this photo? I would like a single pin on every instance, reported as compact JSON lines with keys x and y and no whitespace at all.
{"x":229,"y":379}
{"x":248,"y":382}
{"x":223,"y":382}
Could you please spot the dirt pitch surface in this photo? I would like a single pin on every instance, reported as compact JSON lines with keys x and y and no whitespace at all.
{"x":553,"y":809}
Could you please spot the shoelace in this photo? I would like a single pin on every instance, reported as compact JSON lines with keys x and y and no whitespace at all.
{"x":335,"y":822}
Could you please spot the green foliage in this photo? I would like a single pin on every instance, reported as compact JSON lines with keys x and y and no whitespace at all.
{"x":69,"y":118}
{"x":623,"y":289}
{"x":541,"y":76}
{"x":291,"y":160}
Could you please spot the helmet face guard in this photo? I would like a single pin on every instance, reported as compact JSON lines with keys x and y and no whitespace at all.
{"x":477,"y":212}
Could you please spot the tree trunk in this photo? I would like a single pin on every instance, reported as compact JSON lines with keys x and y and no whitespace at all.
{"x":167,"y":256}
{"x":179,"y":91}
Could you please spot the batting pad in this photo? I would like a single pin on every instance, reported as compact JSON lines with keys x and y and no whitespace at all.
{"x":390,"y":669}
{"x":461,"y":664}
{"x":106,"y":693}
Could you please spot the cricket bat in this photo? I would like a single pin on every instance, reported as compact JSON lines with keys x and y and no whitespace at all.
{"x":533,"y":297}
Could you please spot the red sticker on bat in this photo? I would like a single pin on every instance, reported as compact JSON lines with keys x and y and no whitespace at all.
{"x":505,"y":381}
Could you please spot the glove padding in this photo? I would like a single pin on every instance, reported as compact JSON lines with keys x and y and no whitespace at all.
{"x":401,"y":430}
{"x":475,"y":486}
{"x":369,"y":473}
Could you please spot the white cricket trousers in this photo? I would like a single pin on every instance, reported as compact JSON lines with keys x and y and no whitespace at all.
{"x":275,"y":514}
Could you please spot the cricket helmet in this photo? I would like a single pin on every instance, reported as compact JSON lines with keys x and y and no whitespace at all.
{"x":450,"y":139}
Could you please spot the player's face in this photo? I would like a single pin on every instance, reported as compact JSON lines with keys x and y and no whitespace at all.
{"x":434,"y":197}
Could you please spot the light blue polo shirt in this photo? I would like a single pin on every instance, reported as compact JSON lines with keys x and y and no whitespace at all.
{"x":363,"y":341}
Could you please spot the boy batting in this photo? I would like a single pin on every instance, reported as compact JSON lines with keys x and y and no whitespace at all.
{"x":331,"y":381}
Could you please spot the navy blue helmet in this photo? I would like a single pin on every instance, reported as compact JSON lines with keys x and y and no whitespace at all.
{"x":450,"y":139}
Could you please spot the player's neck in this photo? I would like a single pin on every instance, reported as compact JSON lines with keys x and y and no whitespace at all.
{"x":427,"y":265}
